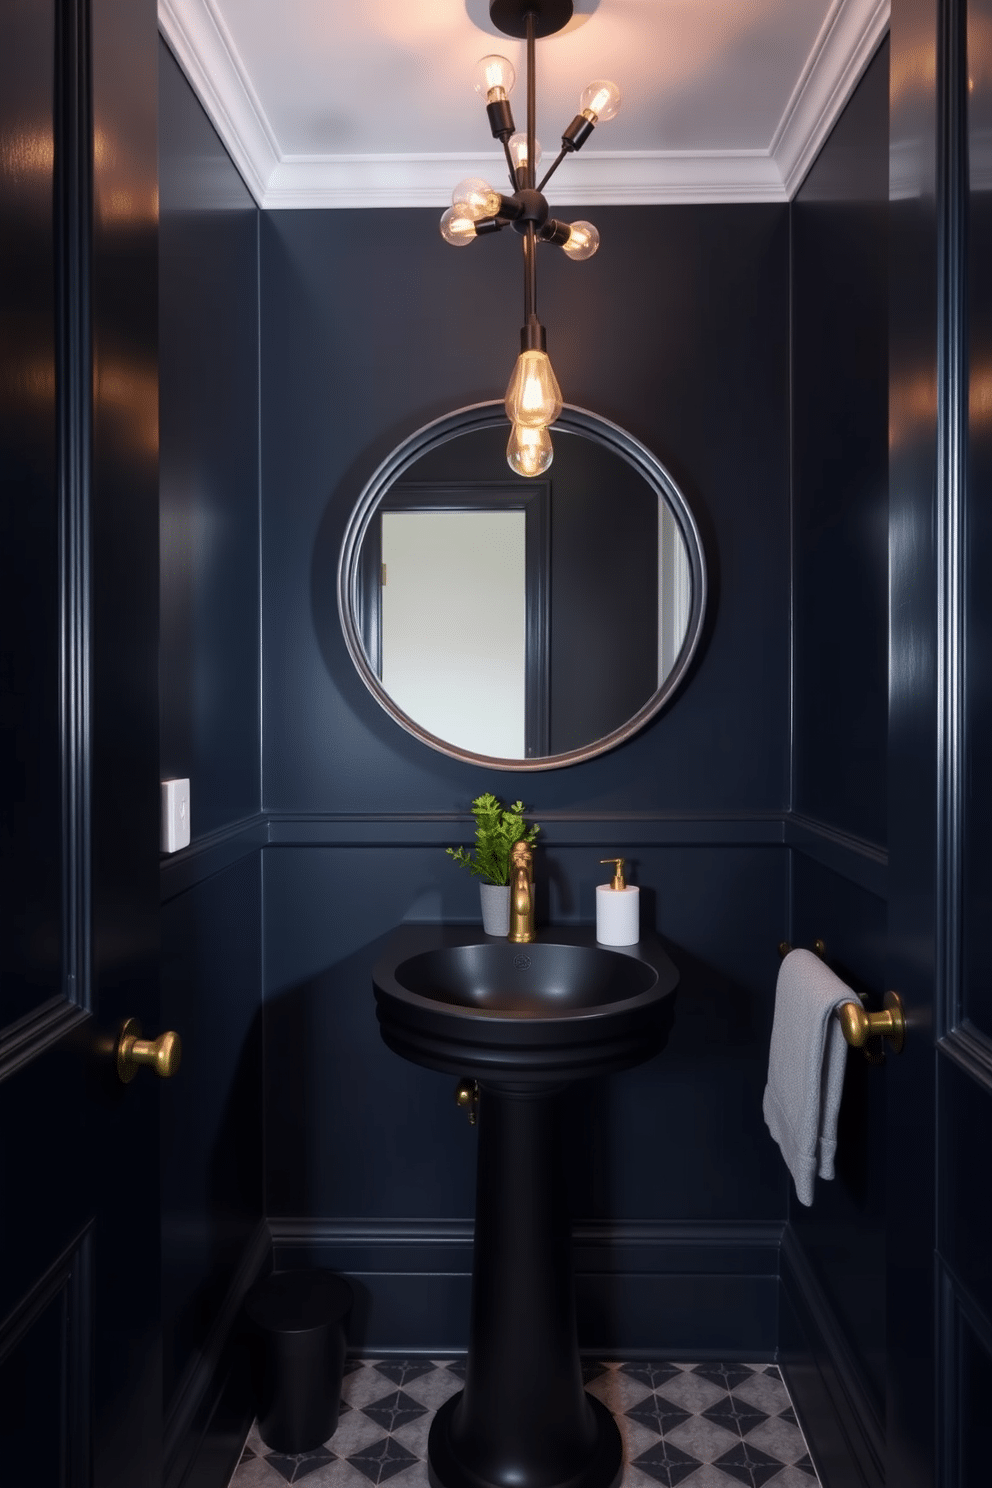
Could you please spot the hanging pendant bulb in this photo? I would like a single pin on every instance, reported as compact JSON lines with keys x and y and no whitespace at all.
{"x":600,"y":101}
{"x":529,"y":451}
{"x":457,"y":227}
{"x":518,"y":150}
{"x":583,"y":240}
{"x":476,"y":197}
{"x":493,"y":78}
{"x":533,"y":397}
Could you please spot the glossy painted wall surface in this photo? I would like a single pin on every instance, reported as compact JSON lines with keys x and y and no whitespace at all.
{"x":371,"y":325}
{"x":840,"y":351}
{"x":211,"y":920}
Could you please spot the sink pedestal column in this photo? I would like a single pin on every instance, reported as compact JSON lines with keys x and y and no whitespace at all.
{"x":523,"y":1419}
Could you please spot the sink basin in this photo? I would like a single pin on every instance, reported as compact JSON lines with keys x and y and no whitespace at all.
{"x":560,"y":1009}
{"x":524,"y":1021}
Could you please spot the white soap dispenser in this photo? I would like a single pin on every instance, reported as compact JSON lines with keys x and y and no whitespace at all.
{"x":618,"y":910}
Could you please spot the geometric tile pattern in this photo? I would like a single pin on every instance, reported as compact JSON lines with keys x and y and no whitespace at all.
{"x":692,"y":1425}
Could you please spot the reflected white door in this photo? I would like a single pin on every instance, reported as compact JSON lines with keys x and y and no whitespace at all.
{"x":454,"y":602}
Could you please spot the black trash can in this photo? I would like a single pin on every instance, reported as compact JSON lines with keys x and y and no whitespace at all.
{"x":298,"y":1322}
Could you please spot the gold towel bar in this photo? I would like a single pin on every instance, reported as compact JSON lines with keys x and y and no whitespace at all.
{"x":857,"y":1023}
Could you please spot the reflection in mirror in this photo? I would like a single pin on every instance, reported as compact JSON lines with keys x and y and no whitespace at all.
{"x":531,"y":623}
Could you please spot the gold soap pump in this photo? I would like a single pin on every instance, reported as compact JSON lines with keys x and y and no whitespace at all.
{"x":617,"y":909}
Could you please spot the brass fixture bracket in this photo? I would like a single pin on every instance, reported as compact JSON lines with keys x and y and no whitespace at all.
{"x":162,"y":1054}
{"x":467,"y":1096}
{"x":858,"y":1024}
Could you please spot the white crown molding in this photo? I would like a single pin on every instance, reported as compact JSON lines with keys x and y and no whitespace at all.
{"x":603,"y":179}
{"x":848,"y":37}
{"x":209,"y":57}
{"x":205,"y":50}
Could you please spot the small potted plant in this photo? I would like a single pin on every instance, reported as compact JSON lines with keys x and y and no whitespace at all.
{"x":497,"y":828}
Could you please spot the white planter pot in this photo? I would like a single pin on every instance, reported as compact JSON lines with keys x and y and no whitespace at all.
{"x":495,"y":908}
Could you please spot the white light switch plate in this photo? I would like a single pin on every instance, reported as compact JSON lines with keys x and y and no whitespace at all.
{"x":175,"y":815}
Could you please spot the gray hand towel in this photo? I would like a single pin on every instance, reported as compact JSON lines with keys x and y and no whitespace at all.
{"x":806,"y":1068}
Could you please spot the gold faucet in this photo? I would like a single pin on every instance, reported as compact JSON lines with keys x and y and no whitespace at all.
{"x":521,"y":894}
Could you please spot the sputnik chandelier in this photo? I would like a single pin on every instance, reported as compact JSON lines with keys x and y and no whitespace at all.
{"x":533,"y":397}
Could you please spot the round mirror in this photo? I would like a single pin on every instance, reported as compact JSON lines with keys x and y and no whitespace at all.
{"x":523,"y":624}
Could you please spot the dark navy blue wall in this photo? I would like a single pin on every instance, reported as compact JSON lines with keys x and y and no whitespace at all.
{"x":211,"y":914}
{"x":835,"y":1261}
{"x":678,"y":329}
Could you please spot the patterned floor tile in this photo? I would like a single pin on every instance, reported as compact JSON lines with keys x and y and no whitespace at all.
{"x":703,"y":1438}
{"x":432,"y":1390}
{"x":651,"y":1375}
{"x":779,"y":1439}
{"x":382,"y":1460}
{"x":693,"y":1392}
{"x":748,"y":1465}
{"x":355,"y":1431}
{"x":365,"y":1385}
{"x":401,"y":1371}
{"x":256,"y":1473}
{"x":658,"y":1413}
{"x":682,"y":1423}
{"x":735,"y":1415}
{"x":414,"y":1435}
{"x":295,"y":1468}
{"x":618,"y":1391}
{"x":394,"y":1410}
{"x":727,"y":1376}
{"x":666,"y":1463}
{"x":710,"y":1476}
{"x":766,"y":1391}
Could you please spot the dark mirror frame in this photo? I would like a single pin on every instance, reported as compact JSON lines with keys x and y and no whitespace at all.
{"x":352,"y":579}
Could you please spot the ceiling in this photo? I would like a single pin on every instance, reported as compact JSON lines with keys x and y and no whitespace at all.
{"x":329,"y":103}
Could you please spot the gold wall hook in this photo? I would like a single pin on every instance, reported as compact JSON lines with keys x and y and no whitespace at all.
{"x":819,"y":947}
{"x":162,"y":1054}
{"x":859,"y":1026}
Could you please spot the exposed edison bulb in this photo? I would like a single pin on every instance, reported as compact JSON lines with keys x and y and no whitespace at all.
{"x":600,"y":100}
{"x":493,"y":78}
{"x":583,"y":240}
{"x":528,"y":451}
{"x":518,"y":150}
{"x":476,"y":198}
{"x":457,"y":227}
{"x":533,"y":397}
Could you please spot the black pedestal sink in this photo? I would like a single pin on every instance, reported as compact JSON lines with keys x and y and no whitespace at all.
{"x":524,"y":1021}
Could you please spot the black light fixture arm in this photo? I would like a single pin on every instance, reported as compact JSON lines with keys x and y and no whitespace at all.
{"x":552,"y":168}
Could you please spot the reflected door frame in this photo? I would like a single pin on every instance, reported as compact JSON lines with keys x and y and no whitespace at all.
{"x":477,"y":496}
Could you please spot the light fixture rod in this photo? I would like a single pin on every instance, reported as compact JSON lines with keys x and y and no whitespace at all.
{"x":530,"y":275}
{"x":530,"y":241}
{"x":531,"y":101}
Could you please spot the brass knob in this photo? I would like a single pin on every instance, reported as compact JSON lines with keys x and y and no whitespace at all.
{"x":163,"y":1053}
{"x":859,"y":1026}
